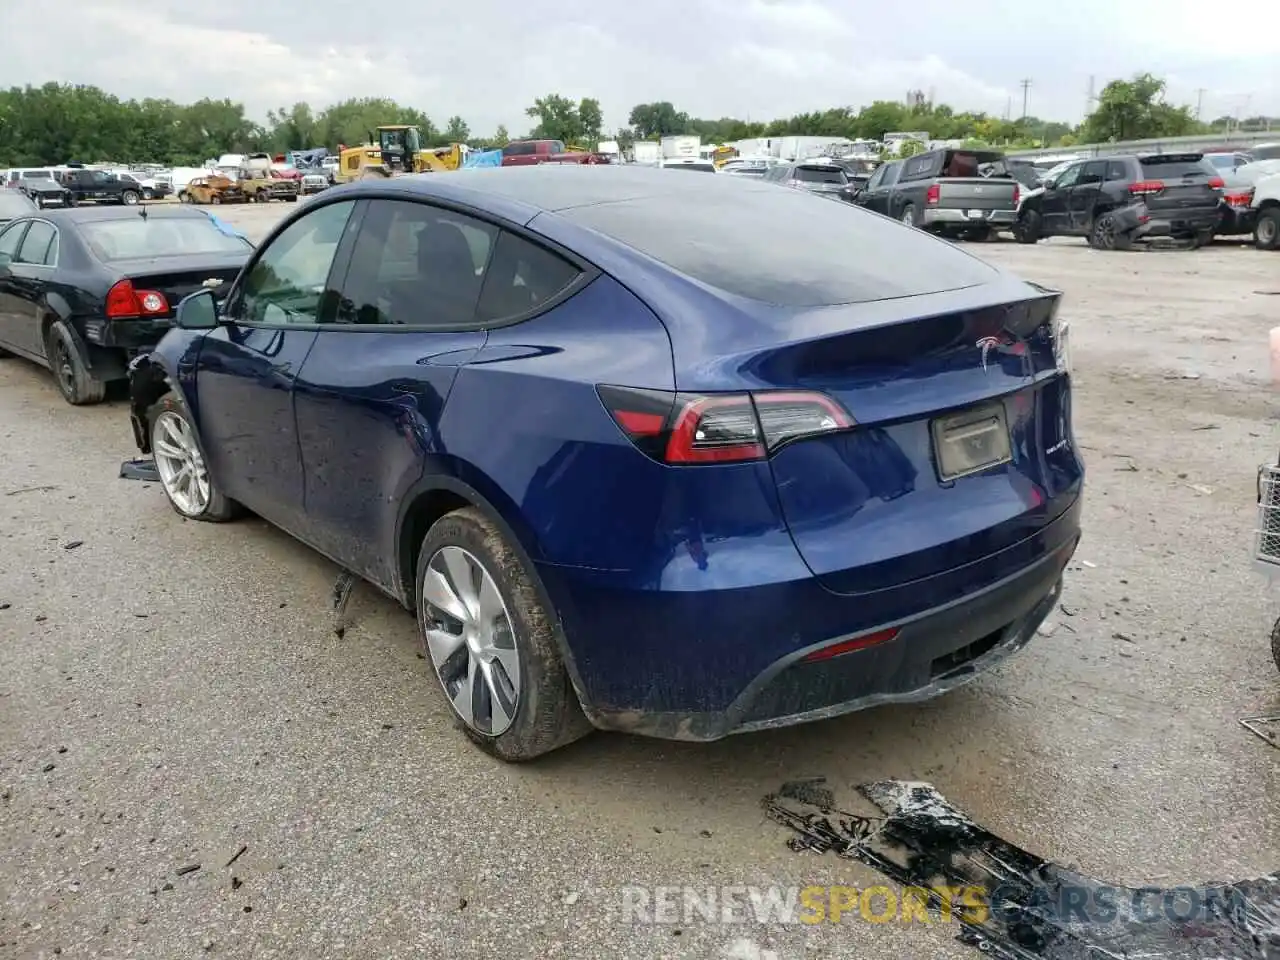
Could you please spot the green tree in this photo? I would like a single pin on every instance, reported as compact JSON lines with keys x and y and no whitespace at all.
{"x":591,"y":119}
{"x":909,"y":148}
{"x":557,"y":118}
{"x":661,"y":119}
{"x":292,"y":129}
{"x":1136,"y":110}
{"x":457,"y":131}
{"x":501,"y":138}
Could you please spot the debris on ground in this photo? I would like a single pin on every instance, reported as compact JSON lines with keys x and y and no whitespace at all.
{"x":143,"y":469}
{"x":1259,"y":727}
{"x":189,"y":868}
{"x":1014,"y":905}
{"x":39,"y":489}
{"x":73,"y":544}
{"x":342,"y":588}
{"x":244,"y":847}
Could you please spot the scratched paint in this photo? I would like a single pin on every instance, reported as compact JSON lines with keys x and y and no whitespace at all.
{"x":1037,"y":909}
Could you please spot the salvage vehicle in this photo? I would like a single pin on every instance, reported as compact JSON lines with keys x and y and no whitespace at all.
{"x":82,"y":291}
{"x":526,"y":153}
{"x":212,"y":189}
{"x":46,"y":192}
{"x":98,"y":186}
{"x":1238,"y":211}
{"x":632,"y":468}
{"x":823,"y":178}
{"x":952,"y":192}
{"x":314,"y":183}
{"x":1116,"y":200}
{"x":258,"y":186}
{"x":1264,"y":202}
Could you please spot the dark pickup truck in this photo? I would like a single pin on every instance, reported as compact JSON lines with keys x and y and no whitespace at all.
{"x":99,"y":186}
{"x":1113,"y":201}
{"x":951,"y":192}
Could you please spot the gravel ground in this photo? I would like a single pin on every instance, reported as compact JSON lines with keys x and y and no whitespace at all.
{"x":174,"y":694}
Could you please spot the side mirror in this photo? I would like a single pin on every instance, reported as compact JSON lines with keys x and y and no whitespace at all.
{"x":5,"y":259}
{"x":198,"y":311}
{"x":1048,"y":184}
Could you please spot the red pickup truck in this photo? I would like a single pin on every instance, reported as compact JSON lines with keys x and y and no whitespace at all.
{"x":524,"y":153}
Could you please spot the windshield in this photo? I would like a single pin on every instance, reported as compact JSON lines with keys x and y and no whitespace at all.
{"x":14,"y":204}
{"x":822,"y":174}
{"x":1223,"y":161}
{"x":136,"y":238}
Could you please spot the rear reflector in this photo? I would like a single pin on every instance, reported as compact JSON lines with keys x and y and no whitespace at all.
{"x":1017,"y":194}
{"x":685,"y":428}
{"x":851,"y":646}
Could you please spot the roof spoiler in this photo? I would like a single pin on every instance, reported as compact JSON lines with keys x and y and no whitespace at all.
{"x":1170,"y":157}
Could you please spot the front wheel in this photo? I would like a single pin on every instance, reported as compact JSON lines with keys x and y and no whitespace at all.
{"x":491,"y":641}
{"x":78,"y":386}
{"x":180,"y":462}
{"x":1266,"y":231}
{"x":1027,"y":229}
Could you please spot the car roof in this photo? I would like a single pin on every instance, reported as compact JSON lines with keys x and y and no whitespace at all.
{"x":97,"y":214}
{"x":521,"y":193}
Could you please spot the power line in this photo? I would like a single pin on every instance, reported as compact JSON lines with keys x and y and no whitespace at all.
{"x":1026,"y":91}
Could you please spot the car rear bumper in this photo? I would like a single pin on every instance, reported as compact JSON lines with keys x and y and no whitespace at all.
{"x":1179,"y":224}
{"x":1236,"y":220}
{"x":701,"y":666}
{"x":942,"y":216}
{"x":132,"y":336}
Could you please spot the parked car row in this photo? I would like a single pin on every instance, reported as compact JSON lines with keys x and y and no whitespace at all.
{"x":631,"y":468}
{"x":68,"y":186}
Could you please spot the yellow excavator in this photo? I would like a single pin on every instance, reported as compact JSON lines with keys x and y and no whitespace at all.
{"x":393,"y":150}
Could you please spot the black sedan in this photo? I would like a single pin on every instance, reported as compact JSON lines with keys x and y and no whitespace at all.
{"x":84,"y":290}
{"x":13,"y":204}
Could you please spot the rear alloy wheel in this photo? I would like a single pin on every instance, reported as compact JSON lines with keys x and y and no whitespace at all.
{"x":491,"y":641}
{"x":1104,"y":235}
{"x":78,"y":386}
{"x":1027,"y":229}
{"x":180,"y":462}
{"x":909,"y":215}
{"x":1266,"y":231}
{"x":129,"y":198}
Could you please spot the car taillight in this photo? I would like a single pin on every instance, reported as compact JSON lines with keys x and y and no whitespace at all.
{"x":1216,"y":183}
{"x":1240,"y":199}
{"x":125,"y":303}
{"x":685,"y":428}
{"x":1146,"y":187}
{"x":933,"y":193}
{"x":1017,"y":194}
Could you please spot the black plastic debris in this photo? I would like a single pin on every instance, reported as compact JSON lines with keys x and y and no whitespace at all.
{"x":143,"y":469}
{"x":342,"y":588}
{"x":1018,"y":906}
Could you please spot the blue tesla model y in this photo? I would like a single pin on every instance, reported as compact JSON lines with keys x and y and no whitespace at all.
{"x":680,"y":456}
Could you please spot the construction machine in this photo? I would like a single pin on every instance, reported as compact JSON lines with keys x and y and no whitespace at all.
{"x":393,"y":150}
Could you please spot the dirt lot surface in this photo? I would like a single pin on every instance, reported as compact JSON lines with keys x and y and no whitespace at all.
{"x":174,"y":694}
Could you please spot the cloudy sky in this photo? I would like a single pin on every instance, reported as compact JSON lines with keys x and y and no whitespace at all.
{"x":487,"y":59}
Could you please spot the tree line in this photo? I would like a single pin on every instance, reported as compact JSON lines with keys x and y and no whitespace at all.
{"x":58,"y":123}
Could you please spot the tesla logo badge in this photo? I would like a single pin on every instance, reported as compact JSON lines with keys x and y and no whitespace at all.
{"x":986,"y":345}
{"x":212,"y":282}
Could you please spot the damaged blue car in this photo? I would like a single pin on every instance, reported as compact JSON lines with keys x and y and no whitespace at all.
{"x":677,"y":456}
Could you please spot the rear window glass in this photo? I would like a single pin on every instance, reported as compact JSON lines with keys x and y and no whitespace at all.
{"x":784,"y":247}
{"x":158,"y":237}
{"x":971,"y":163}
{"x":820,"y":175}
{"x":1158,"y":168}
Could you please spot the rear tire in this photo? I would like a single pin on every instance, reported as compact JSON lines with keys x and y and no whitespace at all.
{"x":180,"y":461}
{"x":129,"y":198}
{"x":77,"y":385}
{"x":465,"y":566}
{"x":1266,"y":231}
{"x":909,"y":215}
{"x":1103,"y":235}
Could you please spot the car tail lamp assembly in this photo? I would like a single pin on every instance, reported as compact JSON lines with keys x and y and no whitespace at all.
{"x":1240,"y":198}
{"x":686,"y":428}
{"x":1216,"y":183}
{"x":126,"y":303}
{"x":933,"y":194}
{"x":1146,"y":188}
{"x":1017,"y":194}
{"x":852,"y":645}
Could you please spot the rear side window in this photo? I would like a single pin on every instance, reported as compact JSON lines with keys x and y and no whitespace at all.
{"x":518,"y":149}
{"x":1171,"y":168}
{"x":1117,"y":170}
{"x":521,"y":278}
{"x":415,"y":264}
{"x":821,"y":175}
{"x":918,"y":166}
{"x":39,"y":244}
{"x":784,"y":247}
{"x":9,"y":239}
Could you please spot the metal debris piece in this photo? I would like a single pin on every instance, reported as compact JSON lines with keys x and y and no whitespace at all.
{"x":244,"y":847}
{"x":39,"y":489}
{"x":1018,"y":906}
{"x":143,"y":469}
{"x":73,"y":544}
{"x":1255,"y":725}
{"x":342,"y":588}
{"x":189,"y":868}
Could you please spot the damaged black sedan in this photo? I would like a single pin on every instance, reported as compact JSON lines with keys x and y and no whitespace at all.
{"x":82,"y":291}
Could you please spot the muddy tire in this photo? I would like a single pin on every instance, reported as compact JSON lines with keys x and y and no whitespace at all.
{"x":909,"y":215}
{"x":174,"y":441}
{"x":78,"y":386}
{"x":1027,"y":229}
{"x":1266,"y":231}
{"x":490,"y":641}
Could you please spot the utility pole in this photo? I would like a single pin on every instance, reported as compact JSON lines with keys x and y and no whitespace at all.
{"x":1199,"y":102}
{"x":1089,"y":98}
{"x":1026,"y":91}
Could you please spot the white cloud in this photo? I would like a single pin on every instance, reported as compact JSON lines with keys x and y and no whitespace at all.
{"x":486,"y":60}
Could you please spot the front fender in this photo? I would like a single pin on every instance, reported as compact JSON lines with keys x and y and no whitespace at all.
{"x":170,"y":367}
